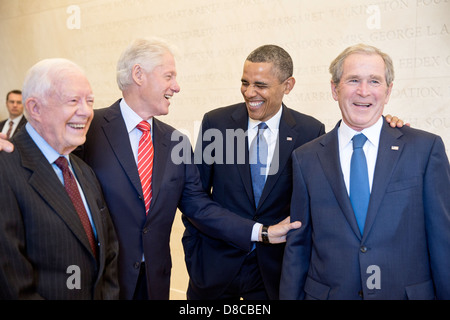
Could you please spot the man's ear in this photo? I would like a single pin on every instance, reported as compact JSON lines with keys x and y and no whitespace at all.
{"x":290,"y":83}
{"x":334,"y":90}
{"x":33,"y":108}
{"x":137,"y":73}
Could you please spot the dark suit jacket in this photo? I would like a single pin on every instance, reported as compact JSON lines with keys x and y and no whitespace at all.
{"x":212,"y":264}
{"x":41,"y":234}
{"x":405,"y":247}
{"x":108,"y":152}
{"x":21,"y":124}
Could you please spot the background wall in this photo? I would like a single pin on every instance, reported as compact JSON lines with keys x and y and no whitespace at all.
{"x":215,"y":36}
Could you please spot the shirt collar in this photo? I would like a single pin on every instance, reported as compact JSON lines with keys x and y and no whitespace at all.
{"x":49,"y":153}
{"x":372,"y":133}
{"x":130,"y":117}
{"x":273,"y":123}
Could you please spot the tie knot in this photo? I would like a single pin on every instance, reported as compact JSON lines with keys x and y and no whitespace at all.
{"x":143,"y":126}
{"x":262,"y":126}
{"x":11,"y":122}
{"x":62,"y":163}
{"x":359,"y":140}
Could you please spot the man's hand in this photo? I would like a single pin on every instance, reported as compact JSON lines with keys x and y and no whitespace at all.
{"x":395,"y":121}
{"x":5,"y":145}
{"x":277,"y":232}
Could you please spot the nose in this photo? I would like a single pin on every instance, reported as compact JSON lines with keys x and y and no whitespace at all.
{"x":363,"y":89}
{"x":175,"y":86}
{"x":248,"y":91}
{"x":85,"y":107}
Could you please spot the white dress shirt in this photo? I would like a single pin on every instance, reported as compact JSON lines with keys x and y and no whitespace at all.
{"x":271,"y":136}
{"x":14,"y":127}
{"x":345,"y":135}
{"x":132,"y":119}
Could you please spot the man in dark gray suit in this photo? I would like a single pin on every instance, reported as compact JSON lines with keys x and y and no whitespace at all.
{"x":57,"y":240}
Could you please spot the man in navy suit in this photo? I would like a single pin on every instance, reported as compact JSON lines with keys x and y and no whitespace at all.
{"x":217,"y":269}
{"x":399,"y":246}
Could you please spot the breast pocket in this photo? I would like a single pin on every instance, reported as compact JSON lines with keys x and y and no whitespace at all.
{"x":403,"y":184}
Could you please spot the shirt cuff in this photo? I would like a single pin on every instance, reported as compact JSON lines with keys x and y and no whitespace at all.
{"x":255,"y":232}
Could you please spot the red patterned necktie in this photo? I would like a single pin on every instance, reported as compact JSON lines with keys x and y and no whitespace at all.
{"x":145,"y":162}
{"x":72,"y":190}
{"x":9,"y":129}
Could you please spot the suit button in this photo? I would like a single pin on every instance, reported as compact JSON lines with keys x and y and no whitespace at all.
{"x":363,"y":249}
{"x":137,"y":265}
{"x":361,"y":294}
{"x":145,"y":231}
{"x":255,"y":218}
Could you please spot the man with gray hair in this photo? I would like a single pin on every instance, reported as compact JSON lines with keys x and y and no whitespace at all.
{"x":373,"y":199}
{"x":57,"y":240}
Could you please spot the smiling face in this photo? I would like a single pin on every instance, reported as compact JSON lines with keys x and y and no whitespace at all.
{"x":158,"y":86}
{"x":262,"y":91}
{"x":63,"y":115}
{"x":362,"y":91}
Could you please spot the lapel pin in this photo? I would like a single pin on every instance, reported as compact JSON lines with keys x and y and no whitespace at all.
{"x":394,"y":148}
{"x":289,"y":138}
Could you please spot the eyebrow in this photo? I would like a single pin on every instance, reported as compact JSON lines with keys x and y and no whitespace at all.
{"x":259,"y":83}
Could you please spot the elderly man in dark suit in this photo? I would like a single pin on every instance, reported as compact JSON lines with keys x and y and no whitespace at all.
{"x":373,"y":199}
{"x":57,"y":240}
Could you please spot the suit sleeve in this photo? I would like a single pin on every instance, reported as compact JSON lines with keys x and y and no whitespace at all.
{"x":211,"y":218}
{"x":437,"y":217}
{"x":298,"y":244}
{"x":16,"y":271}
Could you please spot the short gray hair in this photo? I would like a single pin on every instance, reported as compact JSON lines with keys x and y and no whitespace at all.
{"x":42,"y":76}
{"x":336,"y":67}
{"x":147,"y":52}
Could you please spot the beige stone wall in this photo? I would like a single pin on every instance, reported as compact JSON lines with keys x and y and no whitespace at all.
{"x":215,"y":36}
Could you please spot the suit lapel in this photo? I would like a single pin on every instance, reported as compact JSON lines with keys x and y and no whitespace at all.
{"x":240,"y":121}
{"x":283,"y":150}
{"x":161,"y":145}
{"x":117,"y":135}
{"x":91,"y":199}
{"x":387,"y":159}
{"x":329,"y":160}
{"x":45,"y":182}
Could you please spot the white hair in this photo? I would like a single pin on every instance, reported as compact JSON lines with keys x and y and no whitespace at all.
{"x":147,"y":52}
{"x":41,"y":77}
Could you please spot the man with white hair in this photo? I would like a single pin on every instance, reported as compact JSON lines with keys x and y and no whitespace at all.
{"x":57,"y":240}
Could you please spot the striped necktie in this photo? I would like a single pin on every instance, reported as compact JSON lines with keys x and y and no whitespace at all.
{"x":8,"y":134}
{"x":145,"y":162}
{"x":74,"y":194}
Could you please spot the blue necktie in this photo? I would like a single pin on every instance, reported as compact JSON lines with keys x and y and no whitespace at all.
{"x":359,"y":181}
{"x":258,"y":162}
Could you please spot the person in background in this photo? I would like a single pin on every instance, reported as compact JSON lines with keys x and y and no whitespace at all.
{"x":57,"y":240}
{"x":16,"y":119}
{"x":373,"y":200}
